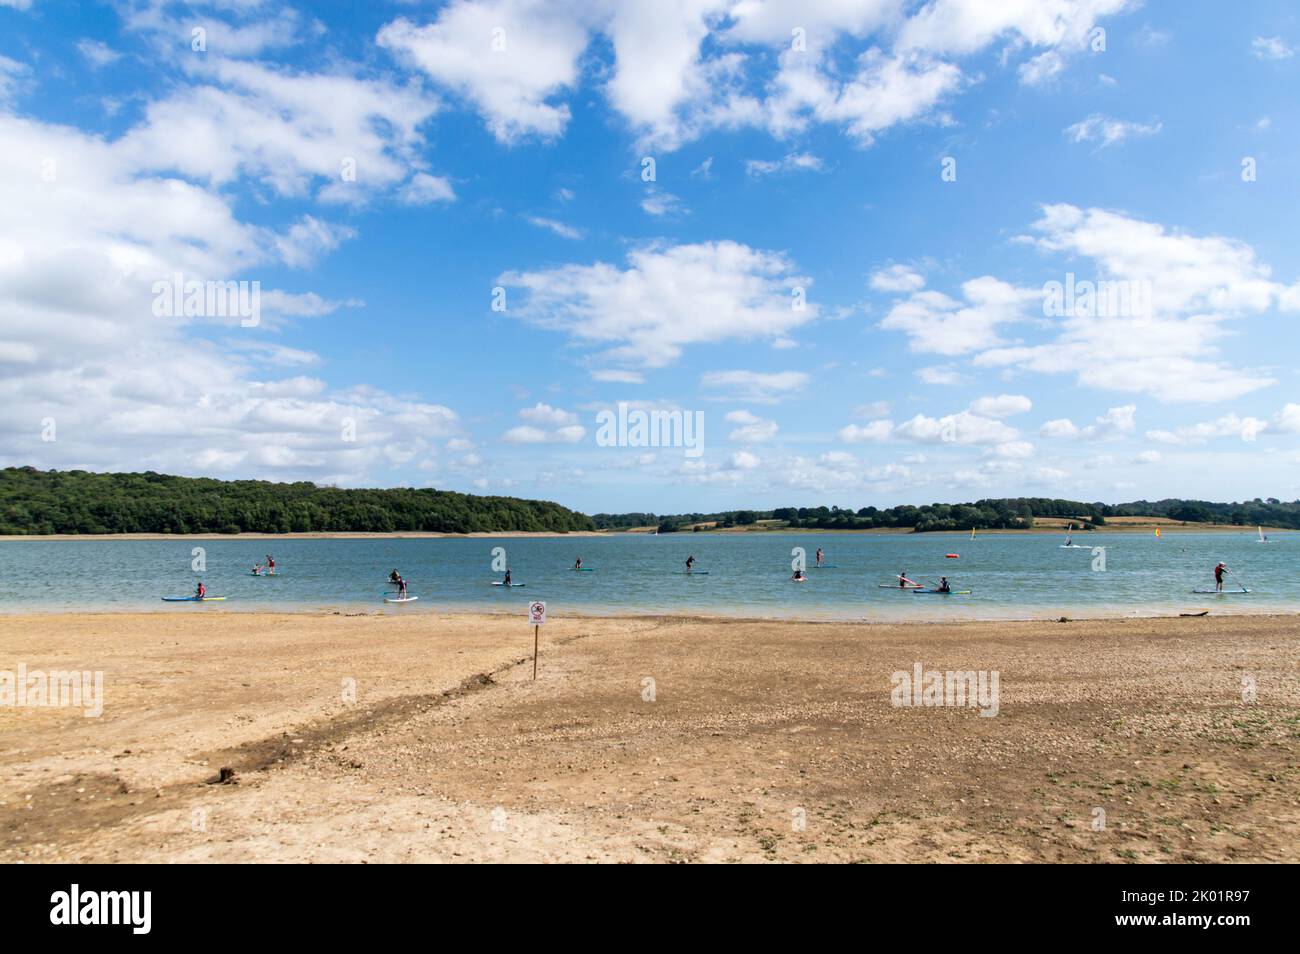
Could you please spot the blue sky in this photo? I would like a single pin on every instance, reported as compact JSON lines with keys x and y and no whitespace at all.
{"x":501,"y":145}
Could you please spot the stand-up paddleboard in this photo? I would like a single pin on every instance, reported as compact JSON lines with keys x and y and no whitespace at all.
{"x":825,"y":566}
{"x":398,"y":599}
{"x":942,"y":592}
{"x":263,"y":574}
{"x":499,"y":583}
{"x":193,"y":599}
{"x":1221,"y":592}
{"x":696,"y":572}
{"x":905,"y":586}
{"x":583,"y":569}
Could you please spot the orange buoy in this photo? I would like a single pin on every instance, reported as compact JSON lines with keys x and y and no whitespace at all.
{"x":951,"y":556}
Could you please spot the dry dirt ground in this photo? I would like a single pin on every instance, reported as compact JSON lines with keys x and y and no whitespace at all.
{"x":424,"y":738}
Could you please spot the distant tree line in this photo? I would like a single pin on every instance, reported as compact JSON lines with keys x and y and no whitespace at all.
{"x":39,"y":502}
{"x":1011,"y":513}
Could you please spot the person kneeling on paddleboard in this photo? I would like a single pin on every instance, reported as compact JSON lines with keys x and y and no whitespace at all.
{"x":797,"y":576}
{"x":257,"y":569}
{"x":943,"y":585}
{"x":577,"y":564}
{"x":200,"y":591}
{"x":1218,"y":575}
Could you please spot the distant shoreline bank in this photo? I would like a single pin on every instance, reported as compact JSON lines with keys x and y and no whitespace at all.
{"x":784,"y":531}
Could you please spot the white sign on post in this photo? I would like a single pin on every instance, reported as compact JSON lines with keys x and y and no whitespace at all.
{"x":537,"y":613}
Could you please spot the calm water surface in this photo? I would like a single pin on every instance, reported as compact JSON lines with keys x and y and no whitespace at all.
{"x":748,"y":574}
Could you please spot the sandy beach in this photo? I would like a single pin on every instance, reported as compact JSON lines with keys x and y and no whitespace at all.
{"x":650,"y":739}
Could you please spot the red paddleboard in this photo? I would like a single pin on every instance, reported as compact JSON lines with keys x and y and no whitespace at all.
{"x":951,"y":556}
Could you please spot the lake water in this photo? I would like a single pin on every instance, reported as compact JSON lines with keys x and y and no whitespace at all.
{"x":1011,"y":576}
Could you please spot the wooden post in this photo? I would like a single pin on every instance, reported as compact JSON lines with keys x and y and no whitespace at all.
{"x":535,"y":629}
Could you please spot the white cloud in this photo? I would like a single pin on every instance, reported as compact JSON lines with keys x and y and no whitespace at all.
{"x":1042,"y":68}
{"x":794,"y":162}
{"x":1114,"y":423}
{"x":757,"y":386}
{"x":1013,"y":450}
{"x":937,"y":324}
{"x":424,"y":189}
{"x":615,"y":376}
{"x":289,"y":131}
{"x":545,"y":414}
{"x":657,"y":203}
{"x":960,"y":428}
{"x":1060,"y":427}
{"x":665,"y":299}
{"x":942,"y":375}
{"x":880,"y":430}
{"x":1108,"y":131}
{"x":12,"y":74}
{"x":511,"y":58}
{"x":524,"y":434}
{"x":559,"y":228}
{"x":1197,"y":285}
{"x":1147,"y":457}
{"x":1271,"y":48}
{"x":897,"y":278}
{"x":1287,"y":420}
{"x":1229,"y":425}
{"x":1003,"y":405}
{"x":752,"y":430}
{"x":97,"y":53}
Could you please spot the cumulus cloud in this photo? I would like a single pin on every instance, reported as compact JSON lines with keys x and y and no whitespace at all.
{"x":1116,"y":422}
{"x":665,"y":299}
{"x":752,"y":428}
{"x":1229,"y":425}
{"x":897,"y":278}
{"x":1197,"y":285}
{"x":1002,"y":405}
{"x":937,"y":324}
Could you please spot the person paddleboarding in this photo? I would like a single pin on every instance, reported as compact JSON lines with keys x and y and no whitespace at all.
{"x":903,"y":581}
{"x":394,"y":577}
{"x":506,"y":581}
{"x":200,"y":591}
{"x":690,"y":563}
{"x":820,"y":556}
{"x":797,"y":576}
{"x":270,"y":563}
{"x":943,"y":585}
{"x":577,"y":564}
{"x":1218,"y":575}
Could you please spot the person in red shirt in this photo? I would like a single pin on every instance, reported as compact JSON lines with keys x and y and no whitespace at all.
{"x":1218,"y":575}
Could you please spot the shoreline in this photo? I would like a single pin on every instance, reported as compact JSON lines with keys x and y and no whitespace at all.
{"x":470,"y":613}
{"x":1144,"y":530}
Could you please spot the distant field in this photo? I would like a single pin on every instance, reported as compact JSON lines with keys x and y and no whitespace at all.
{"x":1041,"y":525}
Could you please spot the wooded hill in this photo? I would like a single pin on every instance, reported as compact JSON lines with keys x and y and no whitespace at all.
{"x":75,"y":501}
